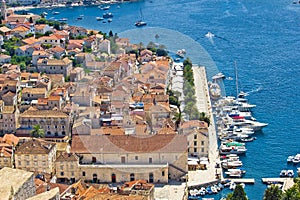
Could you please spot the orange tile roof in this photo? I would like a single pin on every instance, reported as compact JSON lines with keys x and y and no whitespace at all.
{"x":21,"y":29}
{"x":10,"y":139}
{"x":30,"y":40}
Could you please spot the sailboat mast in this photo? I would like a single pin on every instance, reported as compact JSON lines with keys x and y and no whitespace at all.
{"x":236,"y":80}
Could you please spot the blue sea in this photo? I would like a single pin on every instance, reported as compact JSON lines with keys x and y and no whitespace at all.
{"x":262,"y":37}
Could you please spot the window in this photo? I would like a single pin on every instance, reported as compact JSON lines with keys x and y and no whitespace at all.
{"x":123,"y":159}
{"x":195,"y":149}
{"x":55,"y":126}
{"x":195,"y":136}
{"x":35,"y":163}
{"x":71,"y":166}
{"x":44,"y":163}
{"x":113,"y":178}
{"x":202,"y":143}
{"x":195,"y":143}
{"x":63,"y":133}
{"x":48,"y":133}
{"x":132,"y":177}
{"x":136,"y":157}
{"x":150,"y":160}
{"x":61,"y":173}
{"x":83,"y":173}
{"x":61,"y":167}
{"x":72,"y":173}
{"x":151,"y":178}
{"x":202,"y":149}
{"x":94,"y":159}
{"x":27,"y":157}
{"x":163,"y":173}
{"x":27,"y":163}
{"x":20,"y":163}
{"x":35,"y":157}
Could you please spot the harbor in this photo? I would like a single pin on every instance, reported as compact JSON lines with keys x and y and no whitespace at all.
{"x":271,"y":83}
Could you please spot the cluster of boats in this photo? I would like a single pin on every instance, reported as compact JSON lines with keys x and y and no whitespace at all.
{"x":294,"y":159}
{"x":235,"y":127}
{"x":234,"y":119}
{"x":287,"y":173}
{"x":212,"y":189}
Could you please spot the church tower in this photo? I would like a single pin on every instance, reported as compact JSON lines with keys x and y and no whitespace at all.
{"x":3,"y":10}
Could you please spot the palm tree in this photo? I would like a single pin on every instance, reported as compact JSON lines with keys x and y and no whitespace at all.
{"x":177,"y":118}
{"x":273,"y":193}
{"x":37,"y":132}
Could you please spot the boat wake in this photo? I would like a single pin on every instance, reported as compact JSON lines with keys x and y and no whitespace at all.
{"x":253,"y":91}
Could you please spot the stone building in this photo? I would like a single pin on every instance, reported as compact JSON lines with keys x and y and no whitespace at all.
{"x":119,"y":158}
{"x":36,"y":156}
{"x":55,"y":123}
{"x":16,"y":184}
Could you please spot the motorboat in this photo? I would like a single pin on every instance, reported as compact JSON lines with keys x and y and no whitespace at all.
{"x":181,"y":53}
{"x":232,"y":185}
{"x":99,"y":18}
{"x":215,"y":90}
{"x":250,"y":139}
{"x":105,"y":8}
{"x":235,"y":173}
{"x":287,"y":173}
{"x":296,"y":159}
{"x":224,"y":150}
{"x":140,"y":23}
{"x":219,"y":75}
{"x":80,"y":18}
{"x":109,"y":20}
{"x":232,"y":164}
{"x":290,"y":159}
{"x":63,"y":20}
{"x":209,"y":35}
{"x":107,"y":15}
{"x":55,"y":13}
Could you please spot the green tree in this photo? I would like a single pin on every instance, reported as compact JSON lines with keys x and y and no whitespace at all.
{"x":204,"y":117}
{"x":238,"y":194}
{"x":37,"y":132}
{"x":110,"y":34}
{"x":177,"y":118}
{"x":273,"y":193}
{"x":161,"y":52}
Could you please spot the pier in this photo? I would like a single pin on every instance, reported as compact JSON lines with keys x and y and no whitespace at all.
{"x":287,"y":182}
{"x":242,"y":180}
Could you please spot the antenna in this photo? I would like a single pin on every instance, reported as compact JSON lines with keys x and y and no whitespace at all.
{"x":236,"y":80}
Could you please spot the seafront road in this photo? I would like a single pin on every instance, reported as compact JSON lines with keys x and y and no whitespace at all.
{"x":204,"y":105}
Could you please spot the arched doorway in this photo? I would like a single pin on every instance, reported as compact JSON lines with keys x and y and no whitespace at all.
{"x":95,"y":179}
{"x":151,"y":178}
{"x":132,"y":177}
{"x":113,"y":178}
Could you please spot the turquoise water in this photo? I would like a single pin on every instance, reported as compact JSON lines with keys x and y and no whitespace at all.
{"x":263,"y":37}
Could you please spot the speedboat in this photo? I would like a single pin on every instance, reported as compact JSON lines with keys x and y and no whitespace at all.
{"x":99,"y":18}
{"x":55,"y":13}
{"x":287,"y":173}
{"x":215,"y":90}
{"x":219,"y":75}
{"x":290,"y":159}
{"x":140,"y":23}
{"x":107,"y":15}
{"x":105,"y":8}
{"x":232,"y":185}
{"x":181,"y":53}
{"x":109,"y":20}
{"x":237,"y":173}
{"x":63,"y":20}
{"x":209,"y":35}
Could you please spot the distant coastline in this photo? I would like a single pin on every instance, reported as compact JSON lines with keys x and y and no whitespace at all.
{"x":29,"y":7}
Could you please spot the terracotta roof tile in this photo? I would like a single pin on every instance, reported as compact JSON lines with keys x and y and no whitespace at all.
{"x":125,"y":143}
{"x":35,"y":146}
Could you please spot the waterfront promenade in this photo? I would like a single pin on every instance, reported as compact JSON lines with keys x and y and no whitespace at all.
{"x":204,"y":105}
